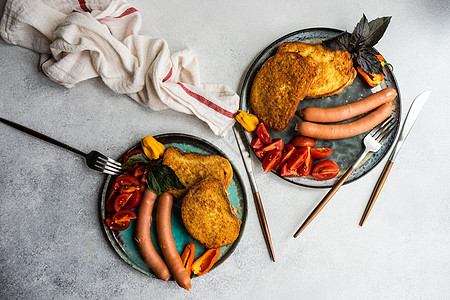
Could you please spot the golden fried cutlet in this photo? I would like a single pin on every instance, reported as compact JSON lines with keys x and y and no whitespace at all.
{"x":192,"y":167}
{"x":208,"y":216}
{"x":278,"y":87}
{"x":334,"y":68}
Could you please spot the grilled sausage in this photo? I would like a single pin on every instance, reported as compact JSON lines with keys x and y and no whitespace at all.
{"x":344,"y":112}
{"x":167,"y":243}
{"x":339,"y":131}
{"x":143,"y":238}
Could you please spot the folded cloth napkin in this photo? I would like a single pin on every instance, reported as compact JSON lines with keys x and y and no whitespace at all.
{"x":83,"y":39}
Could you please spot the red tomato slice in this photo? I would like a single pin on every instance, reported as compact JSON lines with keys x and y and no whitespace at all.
{"x":302,"y":141}
{"x":306,"y":167}
{"x":133,"y":201}
{"x":326,"y":169}
{"x":121,"y":200}
{"x":110,"y":206}
{"x":263,"y":134}
{"x":124,"y":215}
{"x":298,"y":158}
{"x":117,"y":226}
{"x":286,"y":172}
{"x":127,"y":179}
{"x":271,"y":159}
{"x":321,"y":153}
{"x":129,"y":188}
{"x":139,"y":171}
{"x":256,"y":143}
{"x":123,"y":183}
{"x":288,"y":150}
{"x":277,"y":144}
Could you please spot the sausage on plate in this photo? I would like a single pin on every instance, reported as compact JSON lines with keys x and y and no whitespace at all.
{"x":167,"y":243}
{"x":143,"y":237}
{"x":339,"y":131}
{"x":347,"y":111}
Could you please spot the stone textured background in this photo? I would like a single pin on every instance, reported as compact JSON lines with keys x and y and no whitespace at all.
{"x":51,"y":242}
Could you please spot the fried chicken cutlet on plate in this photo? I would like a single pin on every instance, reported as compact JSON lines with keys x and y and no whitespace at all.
{"x":208,"y":215}
{"x":191,"y":168}
{"x":334,"y":69}
{"x":279,"y":86}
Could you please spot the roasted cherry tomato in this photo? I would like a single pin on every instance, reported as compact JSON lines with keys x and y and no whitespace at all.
{"x":288,"y":150}
{"x":110,"y":205}
{"x":126,"y":180}
{"x":306,"y":167}
{"x":117,"y":226}
{"x":129,"y":188}
{"x":286,"y":172}
{"x":124,"y":215}
{"x":321,"y":153}
{"x":324,"y":170}
{"x":139,"y":171}
{"x":302,"y":141}
{"x":121,"y":200}
{"x":123,"y":183}
{"x":271,"y":159}
{"x":277,"y":144}
{"x":263,"y":134}
{"x":120,"y":220}
{"x":134,"y":200}
{"x":256,"y":143}
{"x":298,"y":158}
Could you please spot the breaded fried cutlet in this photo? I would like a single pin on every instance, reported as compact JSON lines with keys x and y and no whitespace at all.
{"x":191,"y":168}
{"x":334,"y":68}
{"x":278,"y":87}
{"x":208,"y":215}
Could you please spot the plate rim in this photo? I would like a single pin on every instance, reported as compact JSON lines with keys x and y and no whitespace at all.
{"x":245,"y":84}
{"x":112,"y":240}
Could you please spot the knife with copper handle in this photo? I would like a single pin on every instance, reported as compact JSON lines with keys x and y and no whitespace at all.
{"x":410,"y":119}
{"x":245,"y":154}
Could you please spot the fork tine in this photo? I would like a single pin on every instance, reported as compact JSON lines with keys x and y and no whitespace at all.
{"x":379,"y":128}
{"x":107,"y":165}
{"x":115,"y":163}
{"x":112,"y":168}
{"x":388,"y":131}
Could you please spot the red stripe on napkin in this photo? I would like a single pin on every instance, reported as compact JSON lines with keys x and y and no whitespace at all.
{"x":168,"y":75}
{"x":208,"y":103}
{"x":83,"y":5}
{"x":127,"y":12}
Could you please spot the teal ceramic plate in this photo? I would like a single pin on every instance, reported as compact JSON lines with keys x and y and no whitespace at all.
{"x":345,"y":151}
{"x":123,"y":241}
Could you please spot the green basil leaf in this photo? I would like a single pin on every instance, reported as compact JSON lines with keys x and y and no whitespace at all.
{"x":162,"y":177}
{"x":136,"y":160}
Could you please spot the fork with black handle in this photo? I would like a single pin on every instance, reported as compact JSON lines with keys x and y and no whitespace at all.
{"x":94,"y":159}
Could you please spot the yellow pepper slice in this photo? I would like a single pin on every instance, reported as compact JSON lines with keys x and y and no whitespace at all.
{"x":248,"y":121}
{"x":152,"y":148}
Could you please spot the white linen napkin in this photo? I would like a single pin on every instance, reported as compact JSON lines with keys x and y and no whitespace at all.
{"x":83,"y":39}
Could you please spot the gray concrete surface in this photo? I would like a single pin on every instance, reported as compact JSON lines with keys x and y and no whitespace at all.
{"x":51,"y":242}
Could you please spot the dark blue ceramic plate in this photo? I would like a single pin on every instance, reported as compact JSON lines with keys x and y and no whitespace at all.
{"x":345,"y":151}
{"x":123,"y":241}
